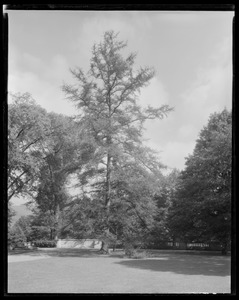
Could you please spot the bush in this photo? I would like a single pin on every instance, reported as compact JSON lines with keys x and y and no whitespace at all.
{"x":158,"y":244}
{"x":44,"y":244}
{"x":16,"y":238}
{"x":136,"y":253}
{"x":132,"y":251}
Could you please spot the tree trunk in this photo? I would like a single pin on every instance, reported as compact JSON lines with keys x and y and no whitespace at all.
{"x":104,"y":247}
{"x":107,"y":194}
{"x":57,"y":216}
{"x":224,"y":251}
{"x":105,"y":243}
{"x":225,"y":247}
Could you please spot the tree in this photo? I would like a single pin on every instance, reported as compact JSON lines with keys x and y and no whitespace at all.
{"x":23,"y":225}
{"x":10,"y":215}
{"x":201,"y":209}
{"x":28,"y":125}
{"x":20,"y":232}
{"x":42,"y":226}
{"x":34,"y":227}
{"x":106,"y":97}
{"x":160,"y":231}
{"x":16,"y":237}
{"x":64,"y":154}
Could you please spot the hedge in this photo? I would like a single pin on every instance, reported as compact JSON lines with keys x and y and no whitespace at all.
{"x":44,"y":244}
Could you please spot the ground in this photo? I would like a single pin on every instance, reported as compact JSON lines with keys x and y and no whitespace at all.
{"x":87,"y":271}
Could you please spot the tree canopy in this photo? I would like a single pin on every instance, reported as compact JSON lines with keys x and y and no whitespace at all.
{"x":201,"y":209}
{"x":28,"y":125}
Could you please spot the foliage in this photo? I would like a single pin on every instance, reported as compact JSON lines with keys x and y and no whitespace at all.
{"x":201,"y":209}
{"x":24,"y":225}
{"x":28,"y":125}
{"x":62,"y":158}
{"x":16,"y":237}
{"x":29,"y":229}
{"x":42,"y":226}
{"x":160,"y":231}
{"x":36,"y":227}
{"x":10,"y":215}
{"x":45,"y":243}
{"x":135,"y":253}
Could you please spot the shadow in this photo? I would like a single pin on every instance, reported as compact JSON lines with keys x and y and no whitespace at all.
{"x":187,"y":264}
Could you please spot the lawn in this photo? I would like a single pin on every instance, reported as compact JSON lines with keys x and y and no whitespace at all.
{"x":87,"y":271}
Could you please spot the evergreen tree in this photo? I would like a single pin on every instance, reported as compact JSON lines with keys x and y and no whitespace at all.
{"x":106,"y":97}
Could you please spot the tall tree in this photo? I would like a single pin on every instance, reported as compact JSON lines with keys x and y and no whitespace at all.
{"x":201,"y":209}
{"x":106,"y":97}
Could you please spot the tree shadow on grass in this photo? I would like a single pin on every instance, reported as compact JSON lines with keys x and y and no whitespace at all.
{"x":183,"y":264}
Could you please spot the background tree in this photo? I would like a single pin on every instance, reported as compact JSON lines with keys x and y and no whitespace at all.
{"x":201,"y":210}
{"x":160,"y":232}
{"x":23,"y":225}
{"x":64,"y":154}
{"x":10,"y":215}
{"x":35,"y":227}
{"x":42,"y":226}
{"x":16,"y":237}
{"x":106,"y":97}
{"x":28,"y":125}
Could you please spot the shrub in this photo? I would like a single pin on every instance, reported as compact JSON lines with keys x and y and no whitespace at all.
{"x":16,"y":238}
{"x":44,"y":244}
{"x":136,"y":253}
{"x":132,"y":251}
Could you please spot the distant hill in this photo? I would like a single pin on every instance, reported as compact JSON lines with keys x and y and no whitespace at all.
{"x":20,"y":210}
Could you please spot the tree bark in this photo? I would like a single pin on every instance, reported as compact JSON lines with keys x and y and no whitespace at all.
{"x":225,"y":247}
{"x":57,"y":214}
{"x":105,"y":243}
{"x":105,"y":247}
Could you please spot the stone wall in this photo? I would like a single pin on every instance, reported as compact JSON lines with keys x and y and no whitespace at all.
{"x":81,"y":244}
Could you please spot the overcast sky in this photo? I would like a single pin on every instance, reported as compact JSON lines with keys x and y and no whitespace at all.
{"x":190,"y":51}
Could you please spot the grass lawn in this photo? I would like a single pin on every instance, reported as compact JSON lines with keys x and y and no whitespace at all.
{"x":86,"y":271}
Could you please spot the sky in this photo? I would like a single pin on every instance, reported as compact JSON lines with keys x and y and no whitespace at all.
{"x":191,"y":52}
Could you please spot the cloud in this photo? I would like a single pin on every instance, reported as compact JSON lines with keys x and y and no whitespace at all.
{"x":93,"y":28}
{"x":186,"y":132}
{"x":211,"y":91}
{"x":174,"y":153}
{"x":179,"y":17}
{"x":43,"y":81}
{"x":154,"y":94}
{"x":132,"y":27}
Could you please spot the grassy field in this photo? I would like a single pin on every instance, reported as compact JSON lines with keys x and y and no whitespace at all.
{"x":87,"y":271}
